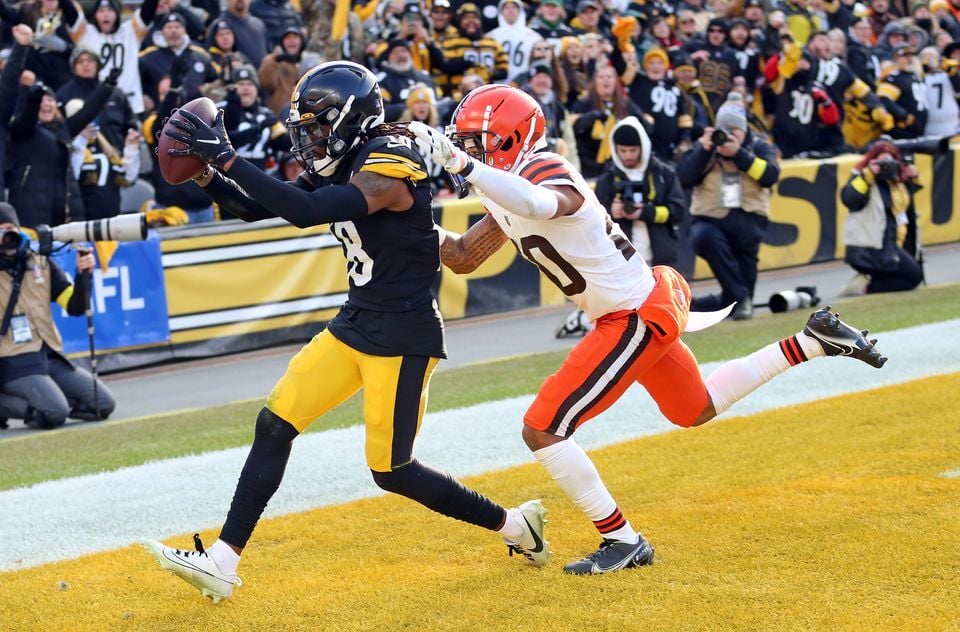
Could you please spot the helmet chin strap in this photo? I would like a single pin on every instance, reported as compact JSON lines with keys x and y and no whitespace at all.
{"x":326,"y":166}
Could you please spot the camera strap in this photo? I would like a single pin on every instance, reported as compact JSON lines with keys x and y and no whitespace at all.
{"x":17,"y":273}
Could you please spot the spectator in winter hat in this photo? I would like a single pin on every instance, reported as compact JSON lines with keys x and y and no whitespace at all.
{"x":280,"y":70}
{"x":730,"y":205}
{"x":117,"y":42}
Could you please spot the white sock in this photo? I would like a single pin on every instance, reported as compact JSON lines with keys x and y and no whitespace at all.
{"x":810,"y":346}
{"x":577,"y":476}
{"x":224,"y":557}
{"x":512,"y":529}
{"x":734,"y":380}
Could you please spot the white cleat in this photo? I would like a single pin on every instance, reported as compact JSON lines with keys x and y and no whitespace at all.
{"x":532,"y":544}
{"x":194,"y":567}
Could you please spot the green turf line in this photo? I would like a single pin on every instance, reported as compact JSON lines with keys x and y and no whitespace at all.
{"x":110,"y":446}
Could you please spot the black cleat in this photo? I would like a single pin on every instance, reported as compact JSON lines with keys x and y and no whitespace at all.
{"x":612,"y":556}
{"x":840,"y":339}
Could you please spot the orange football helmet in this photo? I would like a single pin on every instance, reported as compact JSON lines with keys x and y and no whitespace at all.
{"x":503,"y":123}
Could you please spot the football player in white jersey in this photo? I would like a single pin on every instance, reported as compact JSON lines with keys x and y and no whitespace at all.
{"x":516,"y":38}
{"x":942,"y":90}
{"x":545,"y":207}
{"x":117,"y":42}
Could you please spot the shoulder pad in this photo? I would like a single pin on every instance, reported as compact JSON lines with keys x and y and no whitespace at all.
{"x":546,"y":168}
{"x":391,"y":156}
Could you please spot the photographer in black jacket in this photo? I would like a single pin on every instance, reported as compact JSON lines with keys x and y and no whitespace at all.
{"x":642,"y":194}
{"x":879,"y":196}
{"x":37,"y":383}
{"x":731,"y":172}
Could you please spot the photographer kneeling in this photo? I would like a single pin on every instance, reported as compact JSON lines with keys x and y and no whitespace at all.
{"x":879,"y":196}
{"x":731,"y":172}
{"x":642,"y":193}
{"x":37,"y":383}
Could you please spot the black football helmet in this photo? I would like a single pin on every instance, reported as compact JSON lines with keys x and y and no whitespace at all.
{"x":331,"y":107}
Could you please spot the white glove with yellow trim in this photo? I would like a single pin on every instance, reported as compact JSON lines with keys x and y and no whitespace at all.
{"x":439,"y":148}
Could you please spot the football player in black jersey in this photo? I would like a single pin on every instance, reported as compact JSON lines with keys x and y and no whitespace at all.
{"x":366,"y":180}
{"x":904,"y":94}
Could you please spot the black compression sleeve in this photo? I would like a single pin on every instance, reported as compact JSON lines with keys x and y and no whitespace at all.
{"x":224,"y":193}
{"x":332,"y":203}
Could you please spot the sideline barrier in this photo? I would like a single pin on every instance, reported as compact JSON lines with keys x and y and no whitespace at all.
{"x":234,"y":286}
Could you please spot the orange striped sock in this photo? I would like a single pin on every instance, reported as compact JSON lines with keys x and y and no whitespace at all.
{"x":792,"y":351}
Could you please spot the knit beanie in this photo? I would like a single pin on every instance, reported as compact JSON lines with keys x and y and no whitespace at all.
{"x":656,"y":51}
{"x":732,"y":114}
{"x":420,"y":93}
{"x":626,"y":136}
{"x":8,"y":214}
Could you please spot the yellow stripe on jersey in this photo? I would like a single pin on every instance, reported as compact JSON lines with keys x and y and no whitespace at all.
{"x":858,"y":89}
{"x":393,"y":169}
{"x":377,"y":156}
{"x":888,"y":90}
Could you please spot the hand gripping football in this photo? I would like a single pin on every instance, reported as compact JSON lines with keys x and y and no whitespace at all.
{"x":179,"y":169}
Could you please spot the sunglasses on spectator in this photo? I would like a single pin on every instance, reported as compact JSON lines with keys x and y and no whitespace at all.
{"x":687,"y":21}
{"x":716,"y":31}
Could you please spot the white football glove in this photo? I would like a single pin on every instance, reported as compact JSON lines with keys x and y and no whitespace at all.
{"x":441,"y":149}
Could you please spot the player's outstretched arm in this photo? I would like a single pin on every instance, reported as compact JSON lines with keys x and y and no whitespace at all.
{"x":366,"y":193}
{"x":464,"y":253}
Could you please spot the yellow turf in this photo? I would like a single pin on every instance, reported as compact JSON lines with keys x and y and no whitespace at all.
{"x":823,"y":516}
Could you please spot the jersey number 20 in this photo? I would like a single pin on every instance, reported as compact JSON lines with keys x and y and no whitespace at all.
{"x":555,"y":266}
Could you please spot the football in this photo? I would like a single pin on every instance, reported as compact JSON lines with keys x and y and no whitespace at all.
{"x":179,"y":169}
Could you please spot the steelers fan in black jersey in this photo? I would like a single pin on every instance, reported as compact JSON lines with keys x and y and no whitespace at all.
{"x":367,"y":180}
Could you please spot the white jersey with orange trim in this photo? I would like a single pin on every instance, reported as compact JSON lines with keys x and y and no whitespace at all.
{"x":121,"y":48}
{"x":585,"y":254}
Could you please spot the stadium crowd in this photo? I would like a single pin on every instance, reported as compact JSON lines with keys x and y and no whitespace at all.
{"x":817,"y":78}
{"x":678,"y":108}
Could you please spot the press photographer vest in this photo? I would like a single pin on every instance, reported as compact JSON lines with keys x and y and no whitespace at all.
{"x":34,"y":301}
{"x":706,"y":195}
{"x":867,"y":227}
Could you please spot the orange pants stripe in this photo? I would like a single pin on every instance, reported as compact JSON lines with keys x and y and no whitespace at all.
{"x":621,"y":350}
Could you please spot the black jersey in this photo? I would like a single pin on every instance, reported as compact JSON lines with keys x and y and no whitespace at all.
{"x":393,"y":259}
{"x":751,"y":66}
{"x":905,"y":96}
{"x":662,"y":103}
{"x":795,"y":120}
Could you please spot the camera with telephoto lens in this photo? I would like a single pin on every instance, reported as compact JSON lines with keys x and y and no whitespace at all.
{"x":786,"y":300}
{"x":719,"y":137}
{"x":131,"y":227}
{"x":932,"y":145}
{"x":889,"y":168}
